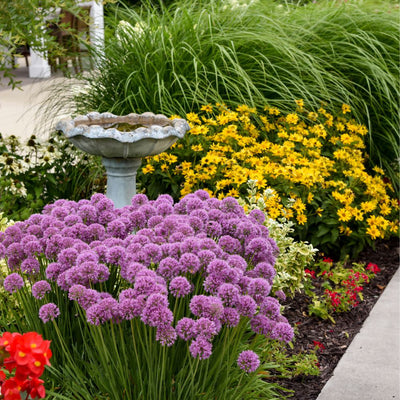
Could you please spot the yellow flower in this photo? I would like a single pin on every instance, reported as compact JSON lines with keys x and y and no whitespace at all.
{"x":164,"y":167}
{"x":345,"y":230}
{"x":233,"y":193}
{"x":148,"y":169}
{"x":272,"y":111}
{"x":207,"y":108}
{"x":301,"y":219}
{"x":310,"y":197}
{"x":197,"y":147}
{"x":312,"y":116}
{"x":292,"y":118}
{"x":379,"y":170}
{"x":373,"y":232}
{"x":174,"y":116}
{"x":245,"y":109}
{"x":319,"y":211}
{"x":193,"y":117}
{"x":346,"y":108}
{"x":300,"y":103}
{"x":344,"y":214}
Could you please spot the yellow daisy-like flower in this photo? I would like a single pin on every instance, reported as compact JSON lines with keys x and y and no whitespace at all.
{"x":148,"y":169}
{"x":207,"y":108}
{"x":373,"y":232}
{"x":193,"y":117}
{"x":300,"y":103}
{"x":312,"y":116}
{"x":301,"y":219}
{"x":174,"y":116}
{"x":292,"y":118}
{"x":344,"y":214}
{"x":197,"y":147}
{"x":346,"y":108}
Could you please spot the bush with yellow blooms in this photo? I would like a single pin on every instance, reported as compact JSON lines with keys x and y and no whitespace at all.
{"x":315,"y":163}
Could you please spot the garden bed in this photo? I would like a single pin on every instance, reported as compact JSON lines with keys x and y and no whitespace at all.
{"x":337,"y":337}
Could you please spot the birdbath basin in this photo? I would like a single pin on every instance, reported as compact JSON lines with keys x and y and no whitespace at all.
{"x":122,"y":141}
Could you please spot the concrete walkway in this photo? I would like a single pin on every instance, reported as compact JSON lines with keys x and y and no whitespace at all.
{"x":23,"y":111}
{"x":370,"y":368}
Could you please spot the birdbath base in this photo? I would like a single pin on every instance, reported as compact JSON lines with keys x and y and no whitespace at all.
{"x":121,"y":179}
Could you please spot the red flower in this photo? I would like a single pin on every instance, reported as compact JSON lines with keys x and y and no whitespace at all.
{"x":327,"y":260}
{"x":310,"y":273}
{"x":318,"y":345}
{"x":11,"y":389}
{"x":35,"y":388}
{"x":373,"y":267}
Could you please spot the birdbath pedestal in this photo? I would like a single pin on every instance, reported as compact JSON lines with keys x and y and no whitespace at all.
{"x":122,"y":141}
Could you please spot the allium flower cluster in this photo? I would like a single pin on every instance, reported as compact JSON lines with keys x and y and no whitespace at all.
{"x":201,"y":254}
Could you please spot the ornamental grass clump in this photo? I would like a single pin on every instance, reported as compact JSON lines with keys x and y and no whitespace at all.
{"x":155,"y":300}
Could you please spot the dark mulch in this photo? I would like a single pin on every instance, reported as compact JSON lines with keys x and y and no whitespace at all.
{"x":337,"y":337}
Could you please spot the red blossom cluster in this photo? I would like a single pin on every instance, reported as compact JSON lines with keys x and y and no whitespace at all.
{"x":26,"y":355}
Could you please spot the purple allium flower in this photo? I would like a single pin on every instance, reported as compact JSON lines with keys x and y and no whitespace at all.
{"x":33,"y":248}
{"x":248,"y":361}
{"x":13,"y":282}
{"x":201,"y":214}
{"x":213,"y":229}
{"x":87,"y":256}
{"x":166,"y":335}
{"x":154,"y":221}
{"x":229,"y":294}
{"x":206,"y":328}
{"x":15,"y":250}
{"x":202,"y":194}
{"x":186,"y":328}
{"x":206,"y":306}
{"x":145,"y":285}
{"x":72,"y":219}
{"x":130,"y":271}
{"x":246,"y":230}
{"x":157,"y":316}
{"x":189,"y":263}
{"x":62,"y":281}
{"x":201,"y":348}
{"x":87,"y":273}
{"x":48,"y":312}
{"x":205,"y":257}
{"x":230,"y":317}
{"x":2,"y":250}
{"x":230,"y":244}
{"x":96,"y":232}
{"x":259,"y":289}
{"x":85,"y":297}
{"x":282,"y":331}
{"x":88,"y":213}
{"x":180,"y":286}
{"x":130,"y":308}
{"x":263,"y":270}
{"x":257,"y":215}
{"x":105,"y":310}
{"x":262,"y":325}
{"x":68,"y":256}
{"x":116,"y":255}
{"x":237,"y":261}
{"x":139,"y":200}
{"x":280,"y":294}
{"x":30,"y":266}
{"x":270,"y":307}
{"x":40,"y":288}
{"x":217,"y":267}
{"x":168,"y":268}
{"x":117,"y":228}
{"x":196,"y":223}
{"x":246,"y":306}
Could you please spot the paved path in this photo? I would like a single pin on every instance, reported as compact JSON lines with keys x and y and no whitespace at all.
{"x":22,"y":111}
{"x":370,"y":368}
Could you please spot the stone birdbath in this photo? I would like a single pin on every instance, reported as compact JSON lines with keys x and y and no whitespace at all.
{"x":122,"y":141}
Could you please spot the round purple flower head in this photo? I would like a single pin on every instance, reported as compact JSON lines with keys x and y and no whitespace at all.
{"x":201,"y":348}
{"x":48,"y":312}
{"x":13,"y":282}
{"x":180,"y":286}
{"x":248,"y":361}
{"x":40,"y":288}
{"x":30,"y":266}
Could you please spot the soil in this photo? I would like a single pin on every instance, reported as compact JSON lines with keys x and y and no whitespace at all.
{"x":337,"y":337}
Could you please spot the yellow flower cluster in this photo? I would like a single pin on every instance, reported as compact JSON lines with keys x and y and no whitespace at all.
{"x":313,"y":159}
